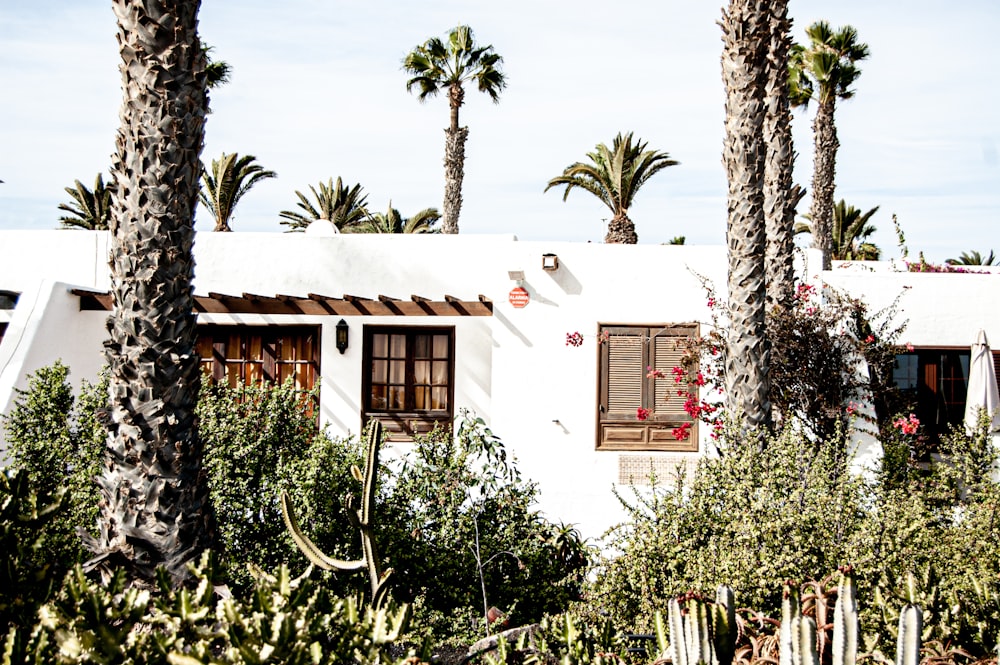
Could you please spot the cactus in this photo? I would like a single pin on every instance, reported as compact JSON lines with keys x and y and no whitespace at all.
{"x":701,"y":631}
{"x":790,"y":609}
{"x":362,"y":517}
{"x":845,"y":621}
{"x":908,"y":640}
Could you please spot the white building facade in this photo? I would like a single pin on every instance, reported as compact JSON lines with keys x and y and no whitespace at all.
{"x":430,"y":326}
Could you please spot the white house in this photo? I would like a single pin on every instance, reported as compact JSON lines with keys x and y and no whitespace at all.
{"x":432,"y":325}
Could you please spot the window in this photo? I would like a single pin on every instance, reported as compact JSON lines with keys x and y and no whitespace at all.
{"x":3,"y":329}
{"x":409,"y":378}
{"x":250,"y":354}
{"x":624,"y":387}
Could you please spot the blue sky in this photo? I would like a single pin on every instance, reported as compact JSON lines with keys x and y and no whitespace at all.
{"x":318,"y":92}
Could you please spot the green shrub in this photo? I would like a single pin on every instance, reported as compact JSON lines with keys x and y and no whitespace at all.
{"x":781,"y":507}
{"x":767,"y":511}
{"x":27,"y":578}
{"x":431,"y":502}
{"x":58,"y":441}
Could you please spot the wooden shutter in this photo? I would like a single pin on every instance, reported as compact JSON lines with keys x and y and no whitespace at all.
{"x":624,"y":387}
{"x":625,"y":376}
{"x":667,"y":405}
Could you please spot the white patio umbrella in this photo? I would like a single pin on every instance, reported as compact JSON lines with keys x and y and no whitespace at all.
{"x":982,"y":389}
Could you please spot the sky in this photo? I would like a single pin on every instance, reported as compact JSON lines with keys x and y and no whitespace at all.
{"x":318,"y":92}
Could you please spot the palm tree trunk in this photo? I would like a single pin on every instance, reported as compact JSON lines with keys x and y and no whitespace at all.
{"x":454,"y":172}
{"x":780,"y":194}
{"x":155,"y":505}
{"x":621,"y":231}
{"x":454,"y":161}
{"x":745,"y":28}
{"x":824,"y":169}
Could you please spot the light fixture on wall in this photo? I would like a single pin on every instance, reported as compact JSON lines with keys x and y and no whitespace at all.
{"x":550,"y":262}
{"x":342,"y":336}
{"x":516,"y":275}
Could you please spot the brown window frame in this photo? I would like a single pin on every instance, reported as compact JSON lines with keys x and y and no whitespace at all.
{"x":940,"y":386}
{"x":402,"y":424}
{"x":624,"y":353}
{"x":270,"y":361}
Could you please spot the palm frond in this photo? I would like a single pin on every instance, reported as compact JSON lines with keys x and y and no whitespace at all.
{"x":614,"y":175}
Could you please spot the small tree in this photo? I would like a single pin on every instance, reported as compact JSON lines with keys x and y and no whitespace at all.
{"x":614,"y":175}
{"x":230,"y":177}
{"x":89,"y":209}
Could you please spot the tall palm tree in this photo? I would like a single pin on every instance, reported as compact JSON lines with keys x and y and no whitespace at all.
{"x":850,"y":232}
{"x":614,"y":175}
{"x":89,"y":209}
{"x":825,"y":70}
{"x":230,"y":177}
{"x":973,"y":258}
{"x":155,"y":503}
{"x":746,"y":28}
{"x":435,"y":66}
{"x":781,"y":195}
{"x":344,"y":206}
{"x":393,"y":222}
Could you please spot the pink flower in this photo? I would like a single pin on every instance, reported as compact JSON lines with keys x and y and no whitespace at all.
{"x":869,"y":339}
{"x":907,"y":425}
{"x":711,"y":302}
{"x":641,"y":413}
{"x":909,"y":347}
{"x":852,"y":407}
{"x":699,"y":380}
{"x":574,"y":339}
{"x":654,"y":373}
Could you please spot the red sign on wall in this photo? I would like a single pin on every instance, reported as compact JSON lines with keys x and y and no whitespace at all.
{"x":519,"y":297}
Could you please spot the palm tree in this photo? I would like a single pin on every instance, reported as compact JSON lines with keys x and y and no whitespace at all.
{"x":392,"y":222}
{"x":344,"y":206}
{"x":746,"y":28}
{"x":217,"y":72}
{"x":614,"y":175}
{"x":850,"y":233}
{"x":154,"y":508}
{"x":781,"y":195}
{"x":973,"y":258}
{"x":825,"y":70}
{"x":435,"y":66}
{"x":225,"y":184}
{"x":89,"y":210}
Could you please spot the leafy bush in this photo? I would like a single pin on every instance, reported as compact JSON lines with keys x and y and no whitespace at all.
{"x":448,"y":509}
{"x":769,"y":510}
{"x":465,"y":536}
{"x":57,"y":441}
{"x":780,"y":507}
{"x":26,"y":578}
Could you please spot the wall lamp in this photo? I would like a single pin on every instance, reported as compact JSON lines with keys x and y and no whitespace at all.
{"x":516,"y":275}
{"x":550,"y":262}
{"x":342,"y":336}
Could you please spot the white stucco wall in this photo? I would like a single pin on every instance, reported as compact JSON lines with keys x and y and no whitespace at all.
{"x":514,"y":368}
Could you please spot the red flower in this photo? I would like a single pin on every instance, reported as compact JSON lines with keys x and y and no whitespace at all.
{"x":641,"y":413}
{"x":681,"y":433}
{"x":574,"y":339}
